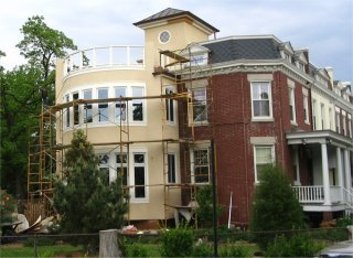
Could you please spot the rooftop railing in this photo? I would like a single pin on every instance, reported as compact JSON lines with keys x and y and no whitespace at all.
{"x":124,"y":57}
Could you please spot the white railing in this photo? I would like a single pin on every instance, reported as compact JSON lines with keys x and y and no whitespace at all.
{"x":309,"y":194}
{"x":336,"y":194}
{"x":130,"y":57}
{"x":348,"y":197}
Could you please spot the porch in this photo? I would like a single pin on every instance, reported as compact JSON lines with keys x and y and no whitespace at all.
{"x":312,"y":198}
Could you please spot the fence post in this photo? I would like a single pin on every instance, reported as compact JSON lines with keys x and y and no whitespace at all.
{"x":108,"y":243}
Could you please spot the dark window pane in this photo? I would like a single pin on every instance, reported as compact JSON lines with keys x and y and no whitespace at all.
{"x":139,"y":158}
{"x":171,"y":168}
{"x":139,"y":182}
{"x":137,"y":112}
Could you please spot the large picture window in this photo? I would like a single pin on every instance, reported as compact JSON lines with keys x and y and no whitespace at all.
{"x":263,"y":156}
{"x":261,"y":100}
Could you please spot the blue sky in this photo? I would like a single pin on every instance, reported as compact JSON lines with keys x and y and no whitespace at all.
{"x":323,"y":26}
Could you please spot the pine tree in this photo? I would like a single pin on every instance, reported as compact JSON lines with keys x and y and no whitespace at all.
{"x":86,"y":204}
{"x":275,"y":206}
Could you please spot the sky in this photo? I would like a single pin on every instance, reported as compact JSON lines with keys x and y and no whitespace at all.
{"x":325,"y":27}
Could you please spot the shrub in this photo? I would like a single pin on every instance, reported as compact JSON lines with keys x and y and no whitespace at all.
{"x":7,"y":206}
{"x":276,"y":207}
{"x":299,"y":245}
{"x":177,"y":242}
{"x":137,"y":250}
{"x":202,"y":250}
{"x":234,"y":251}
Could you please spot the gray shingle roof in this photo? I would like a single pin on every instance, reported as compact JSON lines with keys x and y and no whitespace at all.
{"x":171,"y":12}
{"x":232,"y":49}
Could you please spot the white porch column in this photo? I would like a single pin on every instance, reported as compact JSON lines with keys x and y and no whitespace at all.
{"x":339,"y":170}
{"x":325,"y":174}
{"x":347,"y":169}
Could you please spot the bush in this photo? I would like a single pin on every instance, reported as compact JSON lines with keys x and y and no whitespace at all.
{"x":177,"y":242}
{"x":202,"y":250}
{"x":137,"y":250}
{"x":235,"y":251}
{"x":7,"y":206}
{"x":275,"y":207}
{"x":298,"y":245}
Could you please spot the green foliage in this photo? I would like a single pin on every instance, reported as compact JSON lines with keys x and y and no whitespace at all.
{"x":299,"y":245}
{"x":137,"y":250}
{"x":235,"y":251}
{"x":275,"y":206}
{"x":177,"y":242}
{"x":344,"y":221}
{"x":204,"y":212}
{"x":86,"y":204}
{"x":7,"y":206}
{"x":42,"y":44}
{"x":202,"y":250}
{"x":43,"y":251}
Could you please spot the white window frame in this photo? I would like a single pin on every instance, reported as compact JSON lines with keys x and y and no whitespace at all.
{"x":137,"y":101}
{"x":87,"y":106}
{"x":170,"y":106}
{"x":263,"y":146}
{"x":338,"y":120}
{"x":349,"y":128}
{"x":133,"y":198}
{"x":200,"y":147}
{"x":323,"y":116}
{"x":269,"y":92}
{"x":107,"y":119}
{"x":344,"y":123}
{"x":291,"y":97}
{"x":67,"y":113}
{"x":314,"y":118}
{"x":306,"y":106}
{"x":123,"y":108}
{"x":173,"y":154}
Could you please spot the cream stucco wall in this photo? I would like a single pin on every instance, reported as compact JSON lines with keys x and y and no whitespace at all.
{"x":151,"y":129}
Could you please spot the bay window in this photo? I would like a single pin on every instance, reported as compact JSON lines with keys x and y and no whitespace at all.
{"x":103,"y":106}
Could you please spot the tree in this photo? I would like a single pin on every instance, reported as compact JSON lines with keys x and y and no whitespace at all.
{"x":86,"y":204}
{"x":275,"y":205}
{"x":41,"y":44}
{"x":21,"y":100}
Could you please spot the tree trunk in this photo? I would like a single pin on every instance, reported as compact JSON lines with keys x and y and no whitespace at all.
{"x":108,"y":243}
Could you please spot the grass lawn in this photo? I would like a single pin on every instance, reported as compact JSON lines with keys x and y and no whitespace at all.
{"x":43,"y":251}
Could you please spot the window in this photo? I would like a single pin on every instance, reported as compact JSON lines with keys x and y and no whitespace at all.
{"x":344,"y":123}
{"x":349,"y":127}
{"x":314,"y":115}
{"x":139,"y":175}
{"x":76,"y":111}
{"x":199,"y":104}
{"x":120,"y":106}
{"x":121,"y":167}
{"x":338,"y":120}
{"x":306,"y":108}
{"x":261,"y":100}
{"x":201,"y":168}
{"x":87,"y":109}
{"x":104,"y":167}
{"x":169,"y":104}
{"x":137,"y":104}
{"x":263,"y":156}
{"x":330,"y":118}
{"x":199,"y":59}
{"x":164,"y":37}
{"x":292,"y":112}
{"x":323,"y":116}
{"x":67,"y":98}
{"x":171,"y":169}
{"x":103,"y":106}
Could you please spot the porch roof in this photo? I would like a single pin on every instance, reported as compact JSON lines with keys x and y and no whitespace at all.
{"x":323,"y":136}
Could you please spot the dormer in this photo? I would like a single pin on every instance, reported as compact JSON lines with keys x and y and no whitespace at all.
{"x":300,"y":60}
{"x":286,"y":51}
{"x":196,"y":53}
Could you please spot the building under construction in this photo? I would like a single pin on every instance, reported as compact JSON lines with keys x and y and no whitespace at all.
{"x":152,"y":114}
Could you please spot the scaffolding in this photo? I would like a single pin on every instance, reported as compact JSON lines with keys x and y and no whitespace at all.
{"x":177,"y":71}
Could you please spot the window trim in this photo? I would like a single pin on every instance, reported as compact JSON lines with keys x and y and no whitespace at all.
{"x":273,"y":154}
{"x":200,"y":147}
{"x":291,"y":98}
{"x":261,"y":118}
{"x":131,"y":179}
{"x":168,"y":111}
{"x":175,"y":168}
{"x":306,"y":107}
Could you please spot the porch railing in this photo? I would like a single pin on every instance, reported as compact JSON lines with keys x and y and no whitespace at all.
{"x":130,"y":57}
{"x":348,"y":197}
{"x":309,"y":194}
